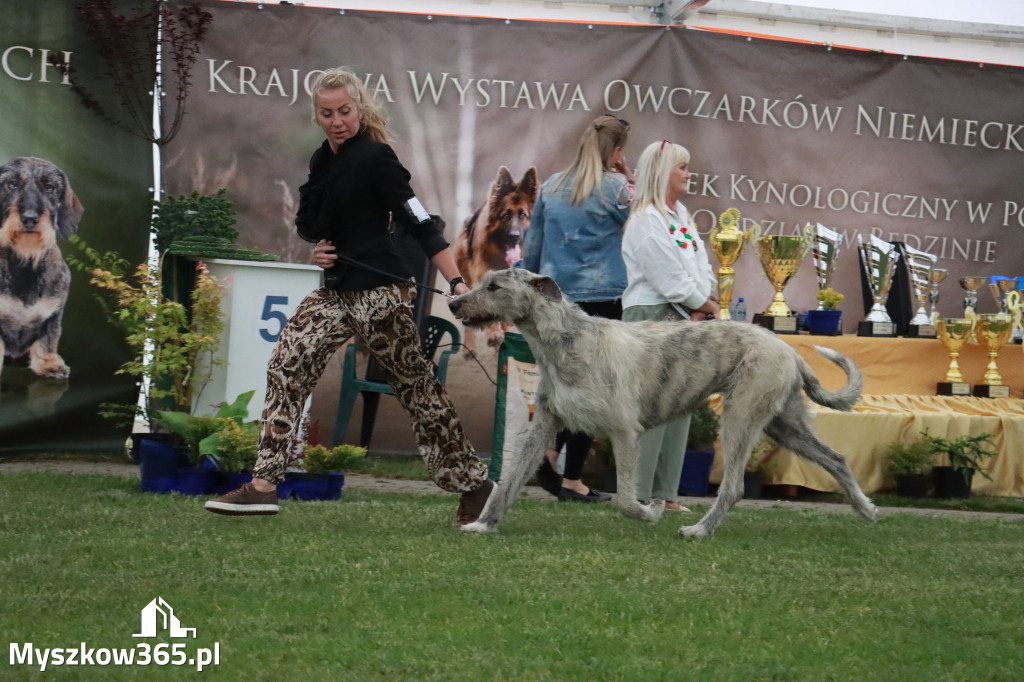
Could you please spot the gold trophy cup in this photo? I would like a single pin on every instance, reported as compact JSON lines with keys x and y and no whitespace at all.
{"x":954,"y":333}
{"x":879,"y":258}
{"x":780,"y":257}
{"x":727,"y":243}
{"x":919,"y":266}
{"x":938,"y":275}
{"x":992,"y":332}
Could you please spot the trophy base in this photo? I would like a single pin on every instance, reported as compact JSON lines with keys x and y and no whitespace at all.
{"x":776,"y":323}
{"x":952,"y":388}
{"x":921,"y":331}
{"x":865,"y":328}
{"x":991,"y":391}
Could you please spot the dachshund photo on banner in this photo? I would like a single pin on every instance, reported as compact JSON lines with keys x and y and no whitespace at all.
{"x":38,"y":206}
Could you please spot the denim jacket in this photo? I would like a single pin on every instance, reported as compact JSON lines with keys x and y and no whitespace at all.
{"x":580,"y":247}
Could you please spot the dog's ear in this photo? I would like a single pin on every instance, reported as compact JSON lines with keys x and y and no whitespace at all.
{"x":70,"y":212}
{"x":546,"y":287}
{"x":528,"y":185}
{"x":504,"y":183}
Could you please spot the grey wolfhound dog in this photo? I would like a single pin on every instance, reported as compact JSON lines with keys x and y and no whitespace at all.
{"x":616,"y":379}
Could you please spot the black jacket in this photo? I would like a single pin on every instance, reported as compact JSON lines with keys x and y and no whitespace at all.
{"x":350,"y":199}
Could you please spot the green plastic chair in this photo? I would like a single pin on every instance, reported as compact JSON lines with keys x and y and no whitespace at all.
{"x":351,"y":385}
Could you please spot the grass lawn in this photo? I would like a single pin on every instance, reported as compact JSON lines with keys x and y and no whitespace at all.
{"x":382,"y":586}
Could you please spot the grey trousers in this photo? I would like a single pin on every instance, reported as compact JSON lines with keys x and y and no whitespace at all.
{"x":663,"y":448}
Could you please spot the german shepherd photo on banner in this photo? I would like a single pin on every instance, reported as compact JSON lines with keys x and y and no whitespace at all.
{"x":492,"y":238}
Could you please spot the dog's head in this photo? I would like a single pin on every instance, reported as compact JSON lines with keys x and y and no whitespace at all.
{"x":37,"y":204}
{"x":510,"y":295}
{"x":509,"y":208}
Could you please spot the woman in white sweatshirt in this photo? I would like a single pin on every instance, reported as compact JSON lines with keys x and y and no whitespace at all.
{"x":669,"y":278}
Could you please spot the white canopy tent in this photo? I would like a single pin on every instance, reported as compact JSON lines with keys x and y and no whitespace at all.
{"x":989,"y":31}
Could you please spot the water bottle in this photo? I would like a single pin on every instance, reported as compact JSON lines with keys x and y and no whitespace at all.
{"x":739,"y":311}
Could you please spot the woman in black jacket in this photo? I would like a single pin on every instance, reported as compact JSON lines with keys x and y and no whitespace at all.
{"x":356,"y":187}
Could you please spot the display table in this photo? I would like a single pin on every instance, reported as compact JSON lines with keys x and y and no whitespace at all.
{"x":898,"y":403}
{"x":896,"y":366}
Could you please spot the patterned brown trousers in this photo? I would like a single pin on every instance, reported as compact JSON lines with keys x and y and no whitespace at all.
{"x":382,"y":318}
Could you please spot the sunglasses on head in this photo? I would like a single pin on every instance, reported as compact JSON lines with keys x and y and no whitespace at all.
{"x":622,"y":121}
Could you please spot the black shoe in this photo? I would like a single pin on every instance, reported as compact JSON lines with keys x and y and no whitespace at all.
{"x":566,"y":495}
{"x":548,"y":478}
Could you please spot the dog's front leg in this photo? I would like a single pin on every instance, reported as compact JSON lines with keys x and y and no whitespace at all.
{"x":627,"y":454}
{"x":43,"y":358}
{"x":514,"y":476}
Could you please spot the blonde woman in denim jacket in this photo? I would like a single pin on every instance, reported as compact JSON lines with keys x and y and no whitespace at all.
{"x":575,"y":237}
{"x":670,"y":277}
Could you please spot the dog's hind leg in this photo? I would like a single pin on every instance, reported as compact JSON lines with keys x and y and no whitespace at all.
{"x":791,"y":430}
{"x":627,"y":454}
{"x":516,"y":472}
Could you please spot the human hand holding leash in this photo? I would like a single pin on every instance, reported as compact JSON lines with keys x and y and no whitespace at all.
{"x":324,"y":255}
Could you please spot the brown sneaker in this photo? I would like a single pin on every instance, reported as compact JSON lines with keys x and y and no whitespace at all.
{"x":472,"y":503}
{"x":244,"y":501}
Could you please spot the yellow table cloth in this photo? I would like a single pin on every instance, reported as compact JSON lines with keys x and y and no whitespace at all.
{"x":897,"y":404}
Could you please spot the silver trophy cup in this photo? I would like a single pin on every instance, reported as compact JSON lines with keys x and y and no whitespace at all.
{"x":825,"y":252}
{"x":919,"y":266}
{"x":879,"y":259}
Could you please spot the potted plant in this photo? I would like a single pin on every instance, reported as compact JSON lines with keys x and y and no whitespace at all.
{"x":205,"y":441}
{"x":323,"y":477}
{"x":908,"y":464}
{"x":827,"y":319}
{"x":757,"y":466}
{"x":966,"y":456}
{"x":700,"y":452}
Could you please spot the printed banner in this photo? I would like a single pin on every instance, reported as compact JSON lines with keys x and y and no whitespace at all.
{"x":927,"y":152}
{"x":59,"y":354}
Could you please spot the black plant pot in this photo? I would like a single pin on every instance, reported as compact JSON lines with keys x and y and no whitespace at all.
{"x":753,"y":485}
{"x":911,"y":485}
{"x":951,"y":483}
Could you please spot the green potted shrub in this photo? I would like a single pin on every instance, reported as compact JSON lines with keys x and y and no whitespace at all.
{"x":700,"y":452}
{"x":827,"y":319}
{"x":966,"y":456}
{"x":205,"y":442}
{"x":170,"y":344}
{"x":323,"y":471}
{"x":909,"y":464}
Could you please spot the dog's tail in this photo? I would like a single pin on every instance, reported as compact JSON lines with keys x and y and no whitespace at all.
{"x":846,"y":397}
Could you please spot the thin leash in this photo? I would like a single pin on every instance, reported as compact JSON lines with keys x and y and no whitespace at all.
{"x":363,"y":266}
